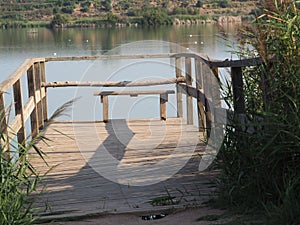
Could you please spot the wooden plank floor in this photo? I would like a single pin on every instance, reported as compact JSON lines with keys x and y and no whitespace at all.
{"x":121,"y":166}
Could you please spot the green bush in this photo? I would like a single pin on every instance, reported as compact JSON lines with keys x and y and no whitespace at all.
{"x":85,"y":9}
{"x":67,"y":10}
{"x":199,"y":4}
{"x":154,"y":17}
{"x":111,"y":18}
{"x":58,"y":20}
{"x":185,"y":4}
{"x":192,"y":11}
{"x":85,"y":4}
{"x":179,"y":11}
{"x":69,"y":3}
{"x":260,"y":158}
{"x":133,"y":12}
{"x":55,"y":10}
{"x":106,"y":5}
{"x":224,"y":3}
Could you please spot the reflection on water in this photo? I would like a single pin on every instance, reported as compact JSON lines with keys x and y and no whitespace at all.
{"x":17,"y":45}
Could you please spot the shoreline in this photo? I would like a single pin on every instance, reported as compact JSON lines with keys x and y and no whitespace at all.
{"x":105,"y":24}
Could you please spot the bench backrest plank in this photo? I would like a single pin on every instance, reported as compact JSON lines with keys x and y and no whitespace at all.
{"x":134,"y":93}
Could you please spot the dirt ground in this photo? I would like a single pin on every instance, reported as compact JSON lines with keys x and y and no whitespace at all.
{"x":189,"y":216}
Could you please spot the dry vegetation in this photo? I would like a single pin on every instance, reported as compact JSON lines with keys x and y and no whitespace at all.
{"x":39,"y":13}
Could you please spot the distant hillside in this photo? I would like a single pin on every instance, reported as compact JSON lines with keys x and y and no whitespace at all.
{"x":42,"y":12}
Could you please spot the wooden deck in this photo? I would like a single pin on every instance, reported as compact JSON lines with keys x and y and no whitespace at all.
{"x":77,"y":184}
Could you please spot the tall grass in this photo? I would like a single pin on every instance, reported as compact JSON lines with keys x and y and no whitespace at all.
{"x":260,"y":158}
{"x":19,"y":178}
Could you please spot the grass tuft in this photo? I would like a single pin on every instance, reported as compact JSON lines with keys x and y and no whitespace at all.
{"x":18,"y":177}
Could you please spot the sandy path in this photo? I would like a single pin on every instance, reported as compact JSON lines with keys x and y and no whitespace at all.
{"x":180,"y":217}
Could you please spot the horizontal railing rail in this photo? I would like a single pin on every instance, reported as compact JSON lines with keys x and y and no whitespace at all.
{"x":113,"y":83}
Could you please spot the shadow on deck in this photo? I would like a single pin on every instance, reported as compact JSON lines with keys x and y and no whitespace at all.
{"x":121,"y":166}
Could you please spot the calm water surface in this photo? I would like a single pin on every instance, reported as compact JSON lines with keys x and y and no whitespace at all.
{"x":17,"y":45}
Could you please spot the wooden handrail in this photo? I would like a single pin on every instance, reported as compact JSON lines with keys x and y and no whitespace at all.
{"x":18,"y":73}
{"x":35,"y":106}
{"x":220,"y":63}
{"x":204,"y":58}
{"x":108,"y":57}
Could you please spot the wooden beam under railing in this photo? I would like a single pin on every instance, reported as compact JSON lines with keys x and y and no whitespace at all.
{"x":113,"y":83}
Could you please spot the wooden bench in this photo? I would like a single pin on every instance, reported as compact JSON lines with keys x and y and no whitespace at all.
{"x":162,"y":100}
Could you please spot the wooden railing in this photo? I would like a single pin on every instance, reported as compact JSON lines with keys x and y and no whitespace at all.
{"x":34,"y":107}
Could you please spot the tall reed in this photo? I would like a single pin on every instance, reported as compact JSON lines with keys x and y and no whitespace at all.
{"x":260,"y":157}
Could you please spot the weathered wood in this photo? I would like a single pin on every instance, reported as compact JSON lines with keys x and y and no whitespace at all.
{"x":44,"y":91}
{"x":134,"y":93}
{"x":207,"y":74}
{"x":189,"y":99}
{"x":15,"y":125}
{"x":18,"y":104}
{"x":178,"y":71}
{"x":200,"y":99}
{"x":221,"y":63}
{"x":28,"y":108}
{"x":204,"y":58}
{"x":104,"y":100}
{"x":3,"y":126}
{"x":32,"y":93}
{"x":37,"y":102}
{"x":38,"y":84}
{"x":16,"y":75}
{"x":74,"y":188}
{"x":237,"y":90}
{"x":108,"y":57}
{"x":163,"y":99}
{"x":216,"y":89}
{"x":113,"y":83}
{"x":193,"y":92}
{"x":163,"y":108}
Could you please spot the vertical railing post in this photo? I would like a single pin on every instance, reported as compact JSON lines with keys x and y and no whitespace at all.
{"x":207,"y":86}
{"x":189,"y":98}
{"x":200,"y":99}
{"x":218,"y":113}
{"x":216,"y":91}
{"x":104,"y":100}
{"x":32,"y":93}
{"x":238,"y":101}
{"x":44,"y":91}
{"x":237,"y":90}
{"x":4,"y":140}
{"x":18,"y":103}
{"x":163,"y":99}
{"x":38,"y":83}
{"x":178,"y":68}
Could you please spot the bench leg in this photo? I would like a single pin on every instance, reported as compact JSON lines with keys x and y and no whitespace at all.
{"x":162,"y":103}
{"x":104,"y":100}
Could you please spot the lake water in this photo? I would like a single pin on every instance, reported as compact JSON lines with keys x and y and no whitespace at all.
{"x":17,"y":45}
